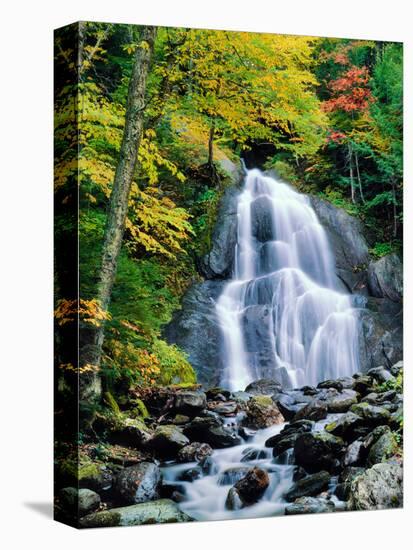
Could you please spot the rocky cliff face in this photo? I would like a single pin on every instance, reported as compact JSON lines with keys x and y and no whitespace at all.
{"x":376,"y":287}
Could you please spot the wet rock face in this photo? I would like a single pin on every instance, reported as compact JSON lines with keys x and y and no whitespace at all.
{"x":194,"y":328}
{"x":385,"y":278}
{"x":138,"y":483}
{"x":248,"y":489}
{"x":212,"y":431}
{"x":316,"y":451}
{"x":218,"y":263}
{"x":378,"y":488}
{"x":308,"y":486}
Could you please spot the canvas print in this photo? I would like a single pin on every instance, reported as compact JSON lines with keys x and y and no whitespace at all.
{"x":228,"y":275}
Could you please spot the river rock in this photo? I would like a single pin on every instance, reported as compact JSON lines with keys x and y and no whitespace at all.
{"x":194,"y":452}
{"x":341,"y":401}
{"x":310,"y":505}
{"x":211,"y":430}
{"x":264,"y":386}
{"x":251,"y":487}
{"x":355,"y":454}
{"x":397,"y":368}
{"x":347,"y":475}
{"x":385,"y":278}
{"x":349,"y":426}
{"x":167,"y":441}
{"x":315,"y":410}
{"x":378,"y":488}
{"x":190,"y":402}
{"x":138,"y":483}
{"x":381,"y":375}
{"x":384,"y":448}
{"x":158,"y":511}
{"x":233,"y":501}
{"x":226,"y":408}
{"x":232,"y":475}
{"x":371,"y":414}
{"x":286,"y":438}
{"x":317,"y":451}
{"x":262,"y":412}
{"x":308,"y":486}
{"x":78,"y":501}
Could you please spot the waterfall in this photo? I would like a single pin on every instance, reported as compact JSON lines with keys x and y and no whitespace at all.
{"x":283,"y":314}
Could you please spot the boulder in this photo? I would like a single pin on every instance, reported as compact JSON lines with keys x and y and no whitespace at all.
{"x":167,"y":441}
{"x":78,"y":502}
{"x":310,"y":505}
{"x":342,"y":401}
{"x":286,"y":438}
{"x":372,"y":415}
{"x":158,"y":511}
{"x":191,"y":474}
{"x":385,"y":278}
{"x":253,"y":454}
{"x":232,"y":475}
{"x":308,"y":486}
{"x":349,"y":426}
{"x":378,"y":488}
{"x":397,"y":368}
{"x":316,"y":451}
{"x":194,"y":452}
{"x":190,"y":402}
{"x":138,"y":483}
{"x":345,"y":478}
{"x":264,"y":386}
{"x":251,"y":487}
{"x":233,"y":501}
{"x":211,"y":430}
{"x":383,"y":449}
{"x":262,"y":412}
{"x":315,"y":410}
{"x":226,"y":408}
{"x":355,"y":454}
{"x":381,"y":375}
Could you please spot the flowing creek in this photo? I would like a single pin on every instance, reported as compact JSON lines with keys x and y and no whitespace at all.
{"x":284,"y":296}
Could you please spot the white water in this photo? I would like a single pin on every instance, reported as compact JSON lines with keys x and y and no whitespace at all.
{"x":205,"y":497}
{"x":283,"y":314}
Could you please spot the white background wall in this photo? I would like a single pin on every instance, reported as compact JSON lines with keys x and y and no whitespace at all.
{"x":26,"y":271}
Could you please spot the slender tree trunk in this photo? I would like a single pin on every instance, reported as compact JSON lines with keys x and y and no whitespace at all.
{"x":90,"y":386}
{"x":393,"y":187}
{"x":356,"y":158}
{"x":211,"y":145}
{"x":350,"y":161}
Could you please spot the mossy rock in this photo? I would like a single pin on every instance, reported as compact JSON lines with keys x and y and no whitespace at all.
{"x":139,"y":409}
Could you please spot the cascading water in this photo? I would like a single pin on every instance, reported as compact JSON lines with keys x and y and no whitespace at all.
{"x":283,"y":314}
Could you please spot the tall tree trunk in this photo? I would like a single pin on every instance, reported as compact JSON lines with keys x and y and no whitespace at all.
{"x":90,"y":383}
{"x":350,"y":161}
{"x":211,"y":145}
{"x":393,"y":187}
{"x":356,"y":158}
